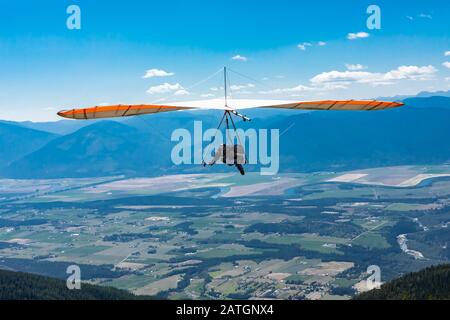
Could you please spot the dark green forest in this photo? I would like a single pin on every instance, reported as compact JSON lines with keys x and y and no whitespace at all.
{"x":432,"y":283}
{"x":26,"y":286}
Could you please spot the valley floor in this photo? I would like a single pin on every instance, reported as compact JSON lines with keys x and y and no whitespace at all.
{"x":211,"y":236}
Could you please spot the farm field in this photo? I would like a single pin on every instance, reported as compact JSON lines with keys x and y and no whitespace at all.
{"x":222,"y":236}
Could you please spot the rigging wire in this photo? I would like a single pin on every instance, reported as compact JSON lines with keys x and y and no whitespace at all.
{"x":214,"y":138}
{"x":230,"y":90}
{"x":190,"y":87}
{"x":204,"y":80}
{"x":228,"y":93}
{"x":147,"y":123}
{"x":252,"y":79}
{"x":232,"y":121}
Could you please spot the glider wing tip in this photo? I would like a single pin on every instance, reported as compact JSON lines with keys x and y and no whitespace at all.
{"x":63,"y":114}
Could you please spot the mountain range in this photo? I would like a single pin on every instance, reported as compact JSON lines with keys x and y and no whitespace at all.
{"x":17,"y":141}
{"x":423,"y":94}
{"x":310,"y":141}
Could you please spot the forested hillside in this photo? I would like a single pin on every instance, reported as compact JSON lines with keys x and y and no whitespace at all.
{"x":429,"y":284}
{"x":26,"y":286}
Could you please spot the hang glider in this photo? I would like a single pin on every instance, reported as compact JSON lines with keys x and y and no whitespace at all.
{"x":114,"y":111}
{"x":229,"y":108}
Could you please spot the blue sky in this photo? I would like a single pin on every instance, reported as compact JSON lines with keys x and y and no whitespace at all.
{"x":296,"y":50}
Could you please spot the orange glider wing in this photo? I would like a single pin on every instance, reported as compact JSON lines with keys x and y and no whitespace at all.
{"x":116,"y":111}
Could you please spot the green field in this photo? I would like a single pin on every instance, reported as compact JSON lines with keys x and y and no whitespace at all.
{"x":371,"y":240}
{"x":207,"y":246}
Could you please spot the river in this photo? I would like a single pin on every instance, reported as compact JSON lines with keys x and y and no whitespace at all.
{"x":402,"y":242}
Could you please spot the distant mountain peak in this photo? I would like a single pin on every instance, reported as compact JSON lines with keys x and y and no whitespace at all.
{"x":422,"y":94}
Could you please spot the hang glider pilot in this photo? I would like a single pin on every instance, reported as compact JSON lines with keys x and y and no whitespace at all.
{"x":232,"y":155}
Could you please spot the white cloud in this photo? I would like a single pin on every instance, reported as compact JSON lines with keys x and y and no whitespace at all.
{"x":302,"y":46}
{"x":357,"y":35}
{"x":355,"y":67}
{"x":207,"y":95}
{"x":411,"y":73}
{"x":446,"y":64}
{"x":345,"y":78}
{"x":339,"y":80}
{"x":297,"y":89}
{"x":239,"y":58}
{"x":425,"y":15}
{"x":300,"y":89}
{"x":182,"y":92}
{"x":447,"y":53}
{"x":165,"y":88}
{"x":237,"y":87}
{"x":422,"y":15}
{"x":152,"y":73}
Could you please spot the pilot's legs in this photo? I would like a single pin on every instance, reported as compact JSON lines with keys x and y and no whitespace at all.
{"x":240,"y":168}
